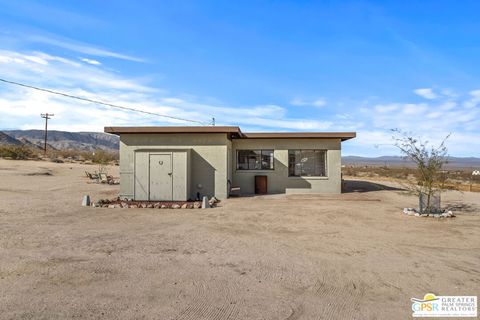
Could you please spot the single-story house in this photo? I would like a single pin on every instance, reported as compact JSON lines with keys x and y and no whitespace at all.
{"x":181,"y":163}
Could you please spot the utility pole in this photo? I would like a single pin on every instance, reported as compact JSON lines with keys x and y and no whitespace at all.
{"x":46,"y":116}
{"x":213,"y":121}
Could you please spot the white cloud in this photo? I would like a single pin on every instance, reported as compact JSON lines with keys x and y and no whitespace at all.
{"x":474,"y":99}
{"x":91,"y":61}
{"x":373,"y":120}
{"x":413,"y":109}
{"x":432,"y":120}
{"x":82,"y":48}
{"x":426,"y":93}
{"x":96,"y":82}
{"x":319,"y":102}
{"x":385,"y":108}
{"x":59,"y":71}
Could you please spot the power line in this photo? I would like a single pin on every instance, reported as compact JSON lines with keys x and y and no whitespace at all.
{"x":100,"y":102}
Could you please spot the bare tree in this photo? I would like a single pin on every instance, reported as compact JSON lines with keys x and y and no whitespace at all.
{"x":429,"y":161}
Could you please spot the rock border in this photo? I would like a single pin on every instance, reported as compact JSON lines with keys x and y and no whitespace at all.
{"x":442,"y":214}
{"x":130,"y":203}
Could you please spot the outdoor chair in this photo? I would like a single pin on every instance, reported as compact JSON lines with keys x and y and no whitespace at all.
{"x":233,"y":191}
{"x":103,"y":178}
{"x":92,"y":176}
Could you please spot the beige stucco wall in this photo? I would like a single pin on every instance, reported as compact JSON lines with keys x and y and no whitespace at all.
{"x":212,"y":162}
{"x":208,"y":163}
{"x":278,"y":179}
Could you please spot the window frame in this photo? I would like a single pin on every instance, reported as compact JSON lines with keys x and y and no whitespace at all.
{"x":325,"y":151}
{"x":261,"y":154}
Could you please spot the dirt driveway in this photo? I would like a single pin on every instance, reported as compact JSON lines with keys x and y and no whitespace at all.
{"x":348,"y":256}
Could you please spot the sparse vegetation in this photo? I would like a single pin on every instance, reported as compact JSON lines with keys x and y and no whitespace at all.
{"x":429,"y":160}
{"x":99,"y":156}
{"x":17,"y":152}
{"x":24,"y":152}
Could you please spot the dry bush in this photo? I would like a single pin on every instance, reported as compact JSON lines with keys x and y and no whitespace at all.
{"x":104,"y":157}
{"x":98,"y":156}
{"x":17,"y":152}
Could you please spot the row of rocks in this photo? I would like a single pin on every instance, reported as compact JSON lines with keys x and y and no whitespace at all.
{"x":414,"y":212}
{"x":194,"y":205}
{"x":129,"y":203}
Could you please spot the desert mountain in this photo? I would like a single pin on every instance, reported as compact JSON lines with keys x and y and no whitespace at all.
{"x":87,"y":141}
{"x":6,"y":139}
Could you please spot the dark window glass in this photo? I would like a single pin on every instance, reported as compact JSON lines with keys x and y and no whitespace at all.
{"x":255,"y":159}
{"x":307,"y":163}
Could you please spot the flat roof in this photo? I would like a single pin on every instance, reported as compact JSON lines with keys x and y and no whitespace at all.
{"x":235,"y":132}
{"x":299,"y":135}
{"x":174,"y":129}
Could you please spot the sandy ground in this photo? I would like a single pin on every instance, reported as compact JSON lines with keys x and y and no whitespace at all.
{"x":348,"y":256}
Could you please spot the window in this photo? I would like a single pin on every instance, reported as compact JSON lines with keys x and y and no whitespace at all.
{"x":307,"y":163}
{"x":254,"y":159}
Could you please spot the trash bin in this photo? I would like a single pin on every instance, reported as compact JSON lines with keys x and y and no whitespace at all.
{"x":261,"y":185}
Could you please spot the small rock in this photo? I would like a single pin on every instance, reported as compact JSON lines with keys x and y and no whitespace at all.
{"x":448,"y":214}
{"x":197,"y":205}
{"x":133,"y":206}
{"x":163,"y":206}
{"x":150,"y":205}
{"x":175,"y":206}
{"x":156,"y":205}
{"x":143,"y":205}
{"x":111,"y":206}
{"x":184,"y":206}
{"x":417,"y":214}
{"x":409,"y":211}
{"x":437,"y":215}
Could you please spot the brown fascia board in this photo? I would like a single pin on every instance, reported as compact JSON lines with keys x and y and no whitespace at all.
{"x":174,"y":129}
{"x":233,"y":131}
{"x":299,"y":135}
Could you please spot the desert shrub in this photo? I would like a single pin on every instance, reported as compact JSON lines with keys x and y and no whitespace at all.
{"x":103,"y":157}
{"x":98,"y":156}
{"x":429,"y":161}
{"x":16,"y":152}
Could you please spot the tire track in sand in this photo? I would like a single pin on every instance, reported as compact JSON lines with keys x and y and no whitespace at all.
{"x":213,"y":301}
{"x":340,"y":295}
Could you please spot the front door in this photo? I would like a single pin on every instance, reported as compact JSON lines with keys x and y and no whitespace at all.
{"x":161,"y":187}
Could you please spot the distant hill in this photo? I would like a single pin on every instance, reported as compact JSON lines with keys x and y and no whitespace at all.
{"x":61,"y":140}
{"x":395,"y":161}
{"x":6,"y":139}
{"x":33,"y":145}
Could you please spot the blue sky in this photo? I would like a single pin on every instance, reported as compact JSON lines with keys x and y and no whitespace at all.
{"x":365,"y":66}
